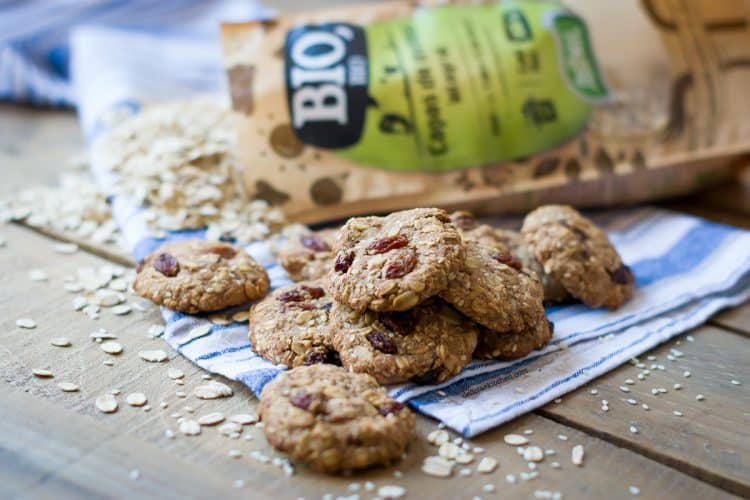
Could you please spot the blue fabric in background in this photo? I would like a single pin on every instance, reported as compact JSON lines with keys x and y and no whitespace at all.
{"x":35,"y":49}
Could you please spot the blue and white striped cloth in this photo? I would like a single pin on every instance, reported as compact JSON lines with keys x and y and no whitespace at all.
{"x":35,"y":38}
{"x":686,"y":268}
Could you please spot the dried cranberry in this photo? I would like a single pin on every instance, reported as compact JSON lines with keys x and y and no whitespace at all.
{"x":224,"y":251}
{"x":332,"y":357}
{"x":390,"y":407}
{"x":386,"y":244}
{"x":314,"y":243}
{"x":167,"y":264}
{"x":622,"y":275}
{"x":302,"y":400}
{"x":293,"y":295}
{"x":305,"y":306}
{"x":314,"y":291}
{"x":314,"y":358}
{"x":507,"y":259}
{"x":381,"y":342}
{"x":401,"y":265}
{"x":402,"y":323}
{"x":343,"y":262}
{"x":426,"y":378}
{"x":465,"y":222}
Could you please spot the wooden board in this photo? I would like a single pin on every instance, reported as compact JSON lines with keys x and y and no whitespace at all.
{"x":92,"y":453}
{"x":737,"y":319}
{"x":710,"y":440}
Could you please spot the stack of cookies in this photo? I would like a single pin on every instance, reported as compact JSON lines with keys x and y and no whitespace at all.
{"x":409,"y":297}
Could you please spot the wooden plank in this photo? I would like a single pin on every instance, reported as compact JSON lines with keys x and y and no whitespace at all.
{"x":57,"y":463}
{"x":709,"y":440}
{"x":130,"y":430}
{"x":737,"y":319}
{"x":35,"y":144}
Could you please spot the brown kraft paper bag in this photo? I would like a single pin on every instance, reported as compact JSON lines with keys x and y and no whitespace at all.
{"x":495,"y":106}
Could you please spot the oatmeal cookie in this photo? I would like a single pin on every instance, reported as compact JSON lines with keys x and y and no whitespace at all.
{"x":427,"y":344}
{"x":512,"y":345}
{"x":334,"y":420}
{"x":495,"y":290}
{"x":395,"y":262}
{"x":196,"y":276}
{"x":579,"y":255}
{"x":513,"y":242}
{"x":290,"y":326}
{"x":309,"y":256}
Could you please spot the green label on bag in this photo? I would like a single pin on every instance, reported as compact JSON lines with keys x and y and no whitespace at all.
{"x":449,"y":87}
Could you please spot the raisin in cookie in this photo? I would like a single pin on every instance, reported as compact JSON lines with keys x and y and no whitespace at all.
{"x":579,"y":255}
{"x":427,"y":344}
{"x":507,"y":346}
{"x":308,"y":256}
{"x":196,"y":276}
{"x":334,"y":420}
{"x":513,"y":242}
{"x":395,"y":262}
{"x":290,"y":326}
{"x":495,"y":290}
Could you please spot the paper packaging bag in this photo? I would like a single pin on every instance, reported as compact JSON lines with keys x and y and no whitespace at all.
{"x":493,"y":106}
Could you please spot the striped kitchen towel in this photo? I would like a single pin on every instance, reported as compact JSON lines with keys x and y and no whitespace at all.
{"x":36,"y":53}
{"x":686,"y":269}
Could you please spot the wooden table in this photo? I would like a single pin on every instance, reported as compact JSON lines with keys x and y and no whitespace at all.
{"x":55,"y":444}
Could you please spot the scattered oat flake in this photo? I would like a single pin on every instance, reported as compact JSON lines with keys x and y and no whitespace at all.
{"x":135,"y":474}
{"x":230,"y":428}
{"x":211,"y":418}
{"x":244,"y":418}
{"x":677,"y":413}
{"x":233,"y":453}
{"x":562,"y":437}
{"x":60,"y":342}
{"x":686,"y":374}
{"x":42,"y":373}
{"x":515,"y":439}
{"x":533,"y":454}
{"x":38,"y":275}
{"x":136,"y":399}
{"x":121,"y":310}
{"x":486,"y":465}
{"x":153,"y":356}
{"x":190,"y":427}
{"x":241,"y":316}
{"x":200,"y":330}
{"x":510,"y":479}
{"x":111,"y":347}
{"x":175,"y":373}
{"x":27,"y":323}
{"x":633,"y":429}
{"x":68,"y":387}
{"x":391,"y":491}
{"x":576,"y":455}
{"x":624,"y":389}
{"x":106,"y":403}
{"x":213,"y":390}
{"x":700,"y":397}
{"x":634,"y":490}
{"x":735,"y":382}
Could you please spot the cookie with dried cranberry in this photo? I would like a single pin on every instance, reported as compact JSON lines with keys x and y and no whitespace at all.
{"x":334,"y":420}
{"x":495,"y":290}
{"x":427,"y":344}
{"x":290,"y":326}
{"x":513,"y":242}
{"x":395,"y":262}
{"x":308,"y":256}
{"x":578,"y":254}
{"x":196,"y":276}
{"x":507,"y":346}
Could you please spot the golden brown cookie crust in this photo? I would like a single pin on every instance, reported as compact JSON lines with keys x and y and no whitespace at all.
{"x":334,"y":420}
{"x":308,"y":256}
{"x":495,"y":291}
{"x":395,"y":262}
{"x":508,"y":346}
{"x":290,"y":326}
{"x":579,"y":255}
{"x":513,"y":242}
{"x":428,"y":344}
{"x":200,"y":276}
